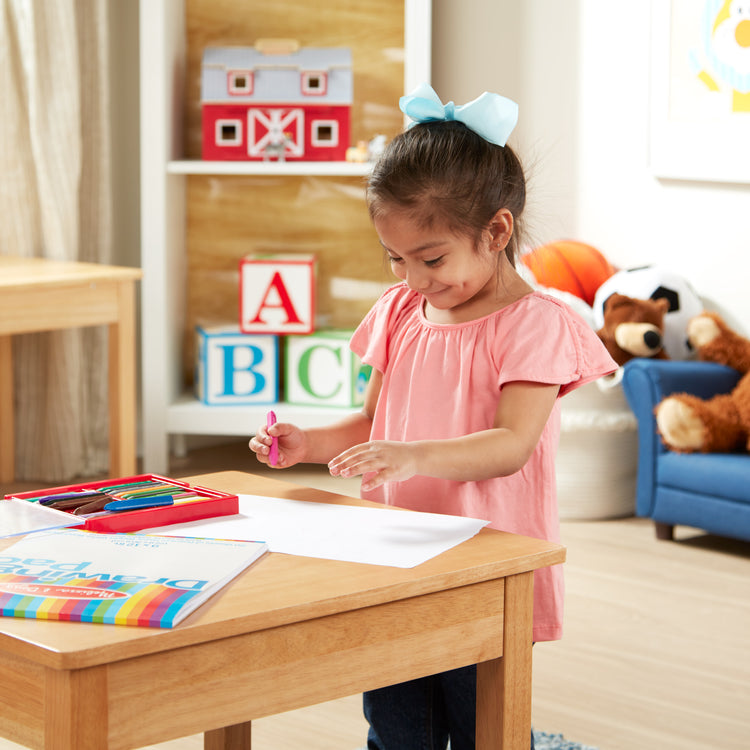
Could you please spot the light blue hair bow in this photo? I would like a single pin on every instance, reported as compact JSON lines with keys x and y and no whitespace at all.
{"x":490,"y":115}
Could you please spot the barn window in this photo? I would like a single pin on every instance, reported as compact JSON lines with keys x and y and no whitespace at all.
{"x":325,"y":133}
{"x":228,"y":132}
{"x":240,"y":82}
{"x":314,"y":83}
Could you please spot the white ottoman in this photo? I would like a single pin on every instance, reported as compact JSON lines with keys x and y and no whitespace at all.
{"x":597,"y":459}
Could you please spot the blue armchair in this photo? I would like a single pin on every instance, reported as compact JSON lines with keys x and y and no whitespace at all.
{"x":709,"y":491}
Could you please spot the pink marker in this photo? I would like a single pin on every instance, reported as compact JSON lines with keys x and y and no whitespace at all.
{"x":273,"y":453}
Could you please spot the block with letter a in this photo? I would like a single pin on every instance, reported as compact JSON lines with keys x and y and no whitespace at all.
{"x":277,"y":294}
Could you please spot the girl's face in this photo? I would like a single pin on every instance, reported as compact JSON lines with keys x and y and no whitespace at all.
{"x":457,"y":279}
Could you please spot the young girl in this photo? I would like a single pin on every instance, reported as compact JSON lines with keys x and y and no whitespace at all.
{"x":461,"y":412}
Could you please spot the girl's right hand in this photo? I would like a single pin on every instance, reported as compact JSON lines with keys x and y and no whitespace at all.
{"x":292,"y":444}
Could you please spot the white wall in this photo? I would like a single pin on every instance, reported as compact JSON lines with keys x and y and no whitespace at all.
{"x":580,"y":72}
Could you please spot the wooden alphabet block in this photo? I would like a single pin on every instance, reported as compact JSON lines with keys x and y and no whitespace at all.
{"x":236,"y":368}
{"x":321,"y":369}
{"x":277,"y":294}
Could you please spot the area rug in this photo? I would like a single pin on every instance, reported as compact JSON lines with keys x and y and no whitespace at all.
{"x":544,"y":741}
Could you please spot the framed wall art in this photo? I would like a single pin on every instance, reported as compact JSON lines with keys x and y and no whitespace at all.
{"x":700,"y":90}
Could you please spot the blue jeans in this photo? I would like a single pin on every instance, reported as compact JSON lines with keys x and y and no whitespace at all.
{"x":423,"y":714}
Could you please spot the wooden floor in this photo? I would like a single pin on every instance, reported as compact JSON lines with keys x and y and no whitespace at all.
{"x":656,"y":653}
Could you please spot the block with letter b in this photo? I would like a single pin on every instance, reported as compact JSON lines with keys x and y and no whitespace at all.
{"x":321,"y":369}
{"x":236,"y":368}
{"x":277,"y":293}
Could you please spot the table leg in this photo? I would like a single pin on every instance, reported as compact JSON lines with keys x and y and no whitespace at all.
{"x":76,"y":709}
{"x":7,"y":417}
{"x":236,"y":737}
{"x":504,"y":684}
{"x":122,"y":369}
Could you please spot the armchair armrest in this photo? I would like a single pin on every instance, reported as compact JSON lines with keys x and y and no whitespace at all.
{"x":646,"y":382}
{"x":658,"y":378}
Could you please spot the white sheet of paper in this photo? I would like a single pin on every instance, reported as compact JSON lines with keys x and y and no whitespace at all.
{"x":378,"y":536}
{"x":23,"y":517}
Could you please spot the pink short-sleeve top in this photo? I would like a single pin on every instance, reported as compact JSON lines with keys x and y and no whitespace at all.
{"x":444,"y":381}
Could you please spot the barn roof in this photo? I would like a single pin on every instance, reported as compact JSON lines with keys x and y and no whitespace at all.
{"x":276,"y":76}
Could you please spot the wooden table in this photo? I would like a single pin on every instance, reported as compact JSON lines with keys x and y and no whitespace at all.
{"x":289,"y":632}
{"x":45,"y":295}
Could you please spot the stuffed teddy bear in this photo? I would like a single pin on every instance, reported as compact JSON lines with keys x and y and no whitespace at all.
{"x":633,"y":327}
{"x":656,"y":282}
{"x":720,"y":424}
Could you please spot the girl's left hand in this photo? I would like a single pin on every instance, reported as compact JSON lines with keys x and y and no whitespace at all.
{"x":381,"y":460}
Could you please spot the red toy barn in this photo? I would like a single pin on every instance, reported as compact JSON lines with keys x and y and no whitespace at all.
{"x":276,"y":102}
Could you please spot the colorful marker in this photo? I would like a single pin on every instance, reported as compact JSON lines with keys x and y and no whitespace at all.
{"x":138,"y":503}
{"x":273,"y":453}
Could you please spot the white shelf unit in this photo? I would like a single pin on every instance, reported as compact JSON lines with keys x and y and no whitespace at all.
{"x":167,"y":411}
{"x":313,"y":168}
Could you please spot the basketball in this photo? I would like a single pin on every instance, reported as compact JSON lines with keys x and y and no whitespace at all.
{"x":570,"y":266}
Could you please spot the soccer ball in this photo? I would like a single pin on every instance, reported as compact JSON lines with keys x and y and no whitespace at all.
{"x":654,"y":282}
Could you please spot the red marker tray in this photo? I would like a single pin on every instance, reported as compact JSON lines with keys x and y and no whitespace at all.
{"x":215,"y":504}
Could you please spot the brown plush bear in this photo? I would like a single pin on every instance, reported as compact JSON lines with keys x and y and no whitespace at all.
{"x":633,"y":327}
{"x":720,"y":424}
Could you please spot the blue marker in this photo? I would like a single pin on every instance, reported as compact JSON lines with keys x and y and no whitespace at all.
{"x":137,"y":503}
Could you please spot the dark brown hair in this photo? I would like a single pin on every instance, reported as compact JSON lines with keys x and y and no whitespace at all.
{"x":442,"y":173}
